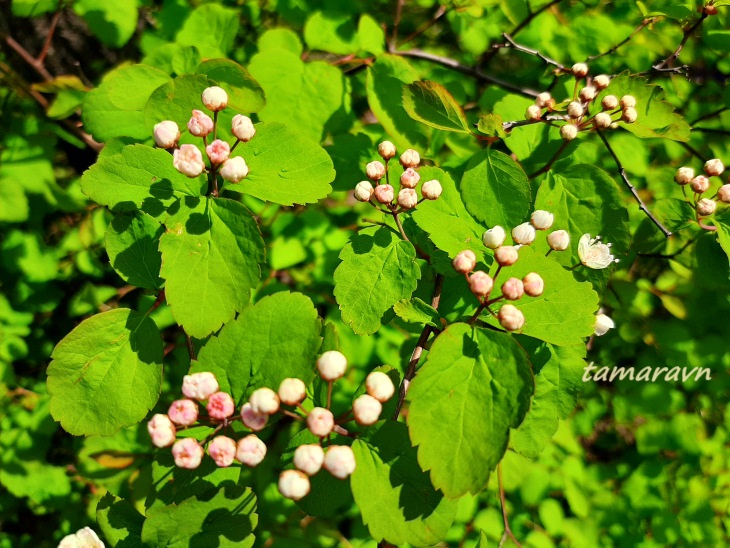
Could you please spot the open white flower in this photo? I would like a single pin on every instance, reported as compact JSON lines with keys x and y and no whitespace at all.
{"x":603,"y":324}
{"x":593,"y":253}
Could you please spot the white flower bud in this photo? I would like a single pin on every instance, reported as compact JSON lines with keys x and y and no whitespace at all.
{"x":609,"y":102}
{"x":215,"y":98}
{"x":364,"y":191}
{"x":253,"y":420}
{"x":431,"y":190}
{"x":83,"y":538}
{"x":222,"y":450}
{"x":234,"y":169}
{"x":410,"y":158}
{"x":294,"y":484}
{"x":166,"y":134}
{"x":714,"y":167}
{"x":465,"y":261}
{"x":629,"y":115}
{"x":188,"y":160}
{"x":684,"y":175}
{"x":494,"y":237}
{"x":309,"y":458}
{"x":292,"y":391}
{"x":366,"y":410}
{"x":187,"y":453}
{"x":700,"y":184}
{"x":628,"y":101}
{"x":533,"y":112}
{"x":384,"y":194}
{"x":603,"y":120}
{"x":250,"y":450}
{"x":409,"y":178}
{"x":575,"y":109}
{"x":602,"y":324}
{"x":379,"y":386}
{"x":161,"y":430}
{"x":480,"y":283}
{"x":264,"y":400}
{"x":541,"y":219}
{"x":543,"y":99}
{"x":331,"y":365}
{"x":511,"y":318}
{"x":200,"y":124}
{"x":407,"y":198}
{"x":242,"y":128}
{"x":375,"y":170}
{"x":580,"y":70}
{"x":524,"y":234}
{"x":386,"y":149}
{"x":200,"y":386}
{"x":601,"y":81}
{"x":723,"y":194}
{"x":587,"y":94}
{"x":513,"y":289}
{"x":569,"y":132}
{"x":320,"y":422}
{"x":340,"y":461}
{"x":533,"y":284}
{"x":559,"y":240}
{"x":706,"y":207}
{"x":506,"y":255}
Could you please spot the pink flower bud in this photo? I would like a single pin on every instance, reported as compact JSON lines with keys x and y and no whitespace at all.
{"x":533,"y":284}
{"x":465,"y":261}
{"x":494,"y":237}
{"x":410,"y":158}
{"x":166,"y":134}
{"x":331,"y":365}
{"x":386,"y":149}
{"x":511,"y":318}
{"x":309,"y":458}
{"x":340,"y":461}
{"x":628,"y":101}
{"x":320,"y":422}
{"x":431,"y":190}
{"x":543,"y":100}
{"x":379,"y":386}
{"x":569,"y":132}
{"x":513,"y":289}
{"x":706,"y":207}
{"x":410,"y":178}
{"x":242,"y":128}
{"x":723,"y":194}
{"x":222,"y":450}
{"x":575,"y":109}
{"x":220,"y":406}
{"x":407,"y":198}
{"x":506,"y":255}
{"x":603,"y":120}
{"x":559,"y":240}
{"x":684,"y":175}
{"x":533,"y":112}
{"x":200,"y":124}
{"x":183,"y":412}
{"x":253,"y":420}
{"x":161,"y":430}
{"x":215,"y":98}
{"x":234,"y":169}
{"x":250,"y":450}
{"x":525,"y":233}
{"x":292,"y":391}
{"x":480,"y":283}
{"x":541,"y":219}
{"x":294,"y":484}
{"x":364,"y":191}
{"x":187,"y":453}
{"x":700,"y":184}
{"x":366,"y":410}
{"x":587,"y":94}
{"x":199,"y":386}
{"x":384,"y":194}
{"x":375,"y":170}
{"x":709,"y":9}
{"x":264,"y":400}
{"x":218,"y":151}
{"x":580,"y":70}
{"x":609,"y":102}
{"x":601,"y":81}
{"x":188,"y":160}
{"x":629,"y":115}
{"x":714,"y":167}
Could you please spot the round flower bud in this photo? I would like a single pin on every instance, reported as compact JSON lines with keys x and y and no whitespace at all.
{"x":222,"y":450}
{"x":559,"y":240}
{"x":506,"y":255}
{"x":609,"y":102}
{"x":166,"y":134}
{"x":242,"y":128}
{"x":386,"y":149}
{"x":331,"y":365}
{"x":407,"y":198}
{"x":340,"y":461}
{"x":575,"y":109}
{"x":714,"y":167}
{"x":293,"y":484}
{"x":187,"y":453}
{"x":218,"y":151}
{"x":410,"y":158}
{"x":375,"y":170}
{"x":83,"y":538}
{"x":700,"y":184}
{"x":366,"y":410}
{"x":525,"y":233}
{"x":480,"y":283}
{"x":292,"y":391}
{"x":161,"y":430}
{"x":264,"y":400}
{"x":710,"y":9}
{"x":541,"y":219}
{"x":199,"y":386}
{"x":587,"y":94}
{"x":706,"y":207}
{"x":309,"y":458}
{"x":569,"y":132}
{"x":602,"y":324}
{"x":409,"y":178}
{"x":723,"y":194}
{"x":234,"y":169}
{"x":215,"y":98}
{"x":253,"y":420}
{"x":465,"y":261}
{"x":200,"y":124}
{"x":494,"y":237}
{"x":628,"y":101}
{"x":533,"y":284}
{"x":543,"y":99}
{"x":320,"y":422}
{"x":384,"y":194}
{"x":431,"y":190}
{"x":511,"y":318}
{"x":220,"y":406}
{"x":379,"y":386}
{"x":601,"y":81}
{"x":629,"y":115}
{"x":533,"y":112}
{"x":364,"y":191}
{"x":250,"y":450}
{"x":183,"y":412}
{"x":513,"y":289}
{"x":188,"y":160}
{"x":603,"y":120}
{"x":684,"y":175}
{"x":580,"y":70}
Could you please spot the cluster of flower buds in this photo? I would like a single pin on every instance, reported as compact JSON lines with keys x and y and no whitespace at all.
{"x":384,"y":193}
{"x":701,"y":184}
{"x":188,"y":158}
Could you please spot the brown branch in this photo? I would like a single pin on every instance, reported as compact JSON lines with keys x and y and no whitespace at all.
{"x":510,"y":43}
{"x":646,"y":22}
{"x":27,"y":57}
{"x":669,"y":255}
{"x":663,"y":66}
{"x":396,"y":24}
{"x":551,"y":161}
{"x":423,"y":28}
{"x":709,"y":115}
{"x":502,"y":499}
{"x":52,"y":29}
{"x":191,"y":347}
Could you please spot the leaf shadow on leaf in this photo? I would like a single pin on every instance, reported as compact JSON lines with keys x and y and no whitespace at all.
{"x":227,"y":521}
{"x":362,"y":244}
{"x":120,"y":516}
{"x":148,"y":354}
{"x":132,"y":262}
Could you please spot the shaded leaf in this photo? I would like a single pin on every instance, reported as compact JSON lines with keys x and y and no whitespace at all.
{"x":431,"y":103}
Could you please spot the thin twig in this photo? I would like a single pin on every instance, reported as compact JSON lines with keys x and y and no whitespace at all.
{"x":502,"y":499}
{"x":693,"y":151}
{"x":709,"y":115}
{"x":191,"y":347}
{"x":396,"y":23}
{"x":646,"y":22}
{"x":51,"y":30}
{"x":663,"y":66}
{"x":712,"y":130}
{"x":551,"y":161}
{"x":27,"y":57}
{"x":670,"y":255}
{"x":423,"y":28}
{"x":510,"y":43}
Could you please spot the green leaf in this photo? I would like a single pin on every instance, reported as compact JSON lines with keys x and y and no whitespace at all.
{"x":113,"y":23}
{"x":495,"y":189}
{"x":120,"y":522}
{"x":371,"y":35}
{"x":280,"y":38}
{"x":416,"y":311}
{"x":478,"y":382}
{"x":378,"y":269}
{"x":331,"y":31}
{"x":277,"y":338}
{"x":33,"y":8}
{"x":284,"y":167}
{"x":185,"y":60}
{"x":66,"y":103}
{"x":396,"y":498}
{"x":175,"y":100}
{"x":492,"y":125}
{"x":210,"y":261}
{"x":211,"y":28}
{"x":13,"y":202}
{"x":132,"y":245}
{"x":722,"y":222}
{"x":225,"y":519}
{"x":244,"y":93}
{"x":106,"y":374}
{"x":431,"y":103}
